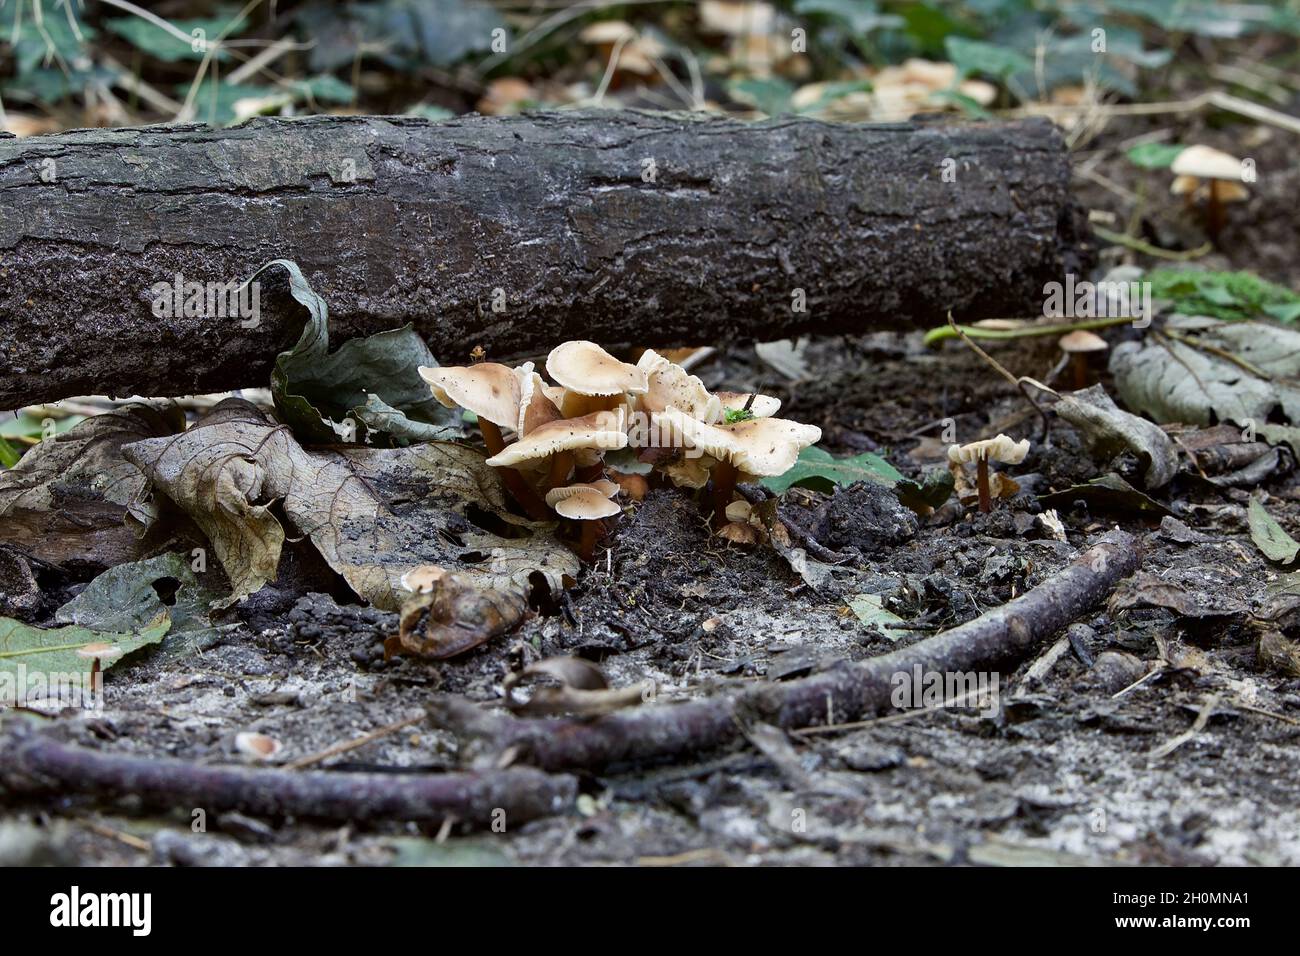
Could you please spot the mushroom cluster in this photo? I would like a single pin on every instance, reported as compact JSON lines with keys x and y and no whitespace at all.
{"x":549,"y":440}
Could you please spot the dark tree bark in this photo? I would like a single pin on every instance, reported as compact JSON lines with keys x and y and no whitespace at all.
{"x":637,"y":228}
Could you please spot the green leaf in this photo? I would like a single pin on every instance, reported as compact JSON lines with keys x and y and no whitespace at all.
{"x":313,"y":388}
{"x":817,"y":468}
{"x":1284,"y":311}
{"x":8,"y":454}
{"x":976,"y":56}
{"x":26,"y":425}
{"x":930,"y":493}
{"x":127,"y":598}
{"x":161,"y":44}
{"x":870,"y":610}
{"x":1268,"y":535}
{"x":1224,"y":295}
{"x":1154,"y":155}
{"x":769,"y":95}
{"x":26,"y":652}
{"x":860,"y":16}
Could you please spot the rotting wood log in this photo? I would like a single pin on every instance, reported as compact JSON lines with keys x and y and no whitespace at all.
{"x":624,"y":227}
{"x":847,"y":692}
{"x":34,"y":763}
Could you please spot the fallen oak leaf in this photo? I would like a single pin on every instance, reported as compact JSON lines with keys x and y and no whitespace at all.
{"x":68,"y":499}
{"x":373,"y":514}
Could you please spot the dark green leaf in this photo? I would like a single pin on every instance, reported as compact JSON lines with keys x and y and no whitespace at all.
{"x":313,"y":388}
{"x":1154,"y":155}
{"x":818,"y":469}
{"x":1268,"y":535}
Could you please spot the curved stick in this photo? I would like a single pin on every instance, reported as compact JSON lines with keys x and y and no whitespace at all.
{"x":847,"y":692}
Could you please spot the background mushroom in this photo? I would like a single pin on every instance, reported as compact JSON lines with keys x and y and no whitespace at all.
{"x":1077,"y":346}
{"x":1218,"y":172}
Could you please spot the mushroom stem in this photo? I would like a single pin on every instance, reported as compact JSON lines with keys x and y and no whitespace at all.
{"x":724,"y":488}
{"x":587,"y":543}
{"x":1214,"y":211}
{"x":520,"y":490}
{"x":982,"y":482}
{"x":1079,"y":370}
{"x":561,"y":466}
{"x":590,"y":473}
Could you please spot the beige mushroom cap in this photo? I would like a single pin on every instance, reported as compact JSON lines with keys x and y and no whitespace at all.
{"x":759,"y":446}
{"x":587,"y":369}
{"x":1205,"y":162}
{"x":423,"y":577}
{"x":99,"y":651}
{"x":607,"y":31}
{"x":606,"y":431}
{"x":535,"y":407}
{"x":489,"y":390}
{"x":585,"y":502}
{"x":770,"y":446}
{"x":1001,"y":449}
{"x":1081,"y":340}
{"x":671,"y":386}
{"x":763,"y":406}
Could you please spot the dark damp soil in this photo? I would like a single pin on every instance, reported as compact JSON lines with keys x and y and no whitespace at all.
{"x":1075,"y":767}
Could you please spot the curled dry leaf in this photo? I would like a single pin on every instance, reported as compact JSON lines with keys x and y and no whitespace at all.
{"x":373,"y":514}
{"x":1108,"y":431}
{"x":583,"y":691}
{"x":451,"y":615}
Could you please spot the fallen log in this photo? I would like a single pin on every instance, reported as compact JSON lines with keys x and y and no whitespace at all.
{"x":33,"y":763}
{"x":510,"y":233}
{"x":848,"y":692}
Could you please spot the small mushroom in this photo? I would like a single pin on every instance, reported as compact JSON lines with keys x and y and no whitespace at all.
{"x":95,"y":653}
{"x":588,"y":503}
{"x":1077,"y":346}
{"x":1000,"y":449}
{"x":1218,"y":172}
{"x":593,"y":380}
{"x":633,"y":485}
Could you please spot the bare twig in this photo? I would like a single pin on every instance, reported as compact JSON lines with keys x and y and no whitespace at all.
{"x":33,"y":763}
